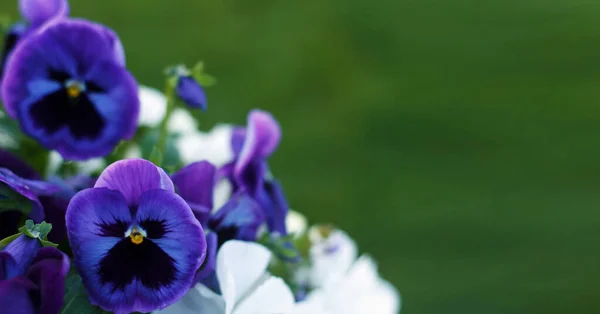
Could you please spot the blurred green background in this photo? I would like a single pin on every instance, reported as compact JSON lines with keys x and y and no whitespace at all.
{"x":457,"y":141}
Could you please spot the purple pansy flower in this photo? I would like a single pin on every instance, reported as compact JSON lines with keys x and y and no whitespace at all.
{"x":240,"y":218}
{"x":195,"y":184}
{"x":191,"y":92}
{"x":67,"y":86}
{"x":136,"y":244}
{"x":18,"y":255}
{"x":36,"y":13}
{"x":40,"y":288}
{"x":250,"y":172}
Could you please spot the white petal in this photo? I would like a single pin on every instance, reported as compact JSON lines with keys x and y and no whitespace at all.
{"x":54,"y":162}
{"x":90,"y":165}
{"x":214,"y":146}
{"x":153,"y":106}
{"x":361,"y":292}
{"x":239,"y":267}
{"x":295,"y":223}
{"x":198,"y":300}
{"x":272,"y":297}
{"x":182,"y":122}
{"x":83,"y":167}
{"x":221,"y":194}
{"x":331,"y":257}
{"x":133,"y":151}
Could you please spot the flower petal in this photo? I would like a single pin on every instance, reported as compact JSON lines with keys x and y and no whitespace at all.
{"x":182,"y":122}
{"x":153,"y":106}
{"x":240,"y":265}
{"x":8,"y":266}
{"x":15,"y":296}
{"x":20,"y":186}
{"x":96,"y":219}
{"x":191,"y":92}
{"x":331,"y":255}
{"x":262,"y":137}
{"x":23,"y":250}
{"x":274,"y":204}
{"x":171,"y":226}
{"x":198,"y":300}
{"x":17,"y":166}
{"x":362,"y":291}
{"x":38,"y":12}
{"x":213,"y":146}
{"x":296,"y":223}
{"x":132,"y":177}
{"x":240,"y":218}
{"x":210,"y":263}
{"x":195,"y":184}
{"x":272,"y":296}
{"x":48,"y":272}
{"x":14,"y":34}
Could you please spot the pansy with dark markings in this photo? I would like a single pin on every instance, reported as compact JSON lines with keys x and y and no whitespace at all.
{"x":35,"y":14}
{"x":136,"y":244}
{"x":249,"y":171}
{"x":67,"y":86}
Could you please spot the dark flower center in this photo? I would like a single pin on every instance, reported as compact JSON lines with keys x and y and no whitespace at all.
{"x":69,"y":107}
{"x":145,"y":261}
{"x":136,"y":256}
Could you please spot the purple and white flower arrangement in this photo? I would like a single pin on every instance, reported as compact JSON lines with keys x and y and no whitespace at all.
{"x":112,"y":199}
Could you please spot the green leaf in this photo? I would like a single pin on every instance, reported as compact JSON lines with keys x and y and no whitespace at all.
{"x":156,"y":156}
{"x":8,"y":240}
{"x":38,"y":231}
{"x":44,"y":228}
{"x":76,"y":299}
{"x":202,"y":77}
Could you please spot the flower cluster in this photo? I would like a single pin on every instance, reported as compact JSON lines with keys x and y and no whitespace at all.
{"x":111,"y":199}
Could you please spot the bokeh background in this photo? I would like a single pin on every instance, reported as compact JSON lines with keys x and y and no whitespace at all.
{"x":457,"y":141}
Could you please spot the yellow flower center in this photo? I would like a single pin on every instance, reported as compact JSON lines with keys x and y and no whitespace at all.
{"x":74,"y":88}
{"x":137,"y":236}
{"x":73,"y":91}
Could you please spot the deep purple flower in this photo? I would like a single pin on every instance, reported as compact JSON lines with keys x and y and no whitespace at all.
{"x":40,"y":289}
{"x":14,"y":34}
{"x":36,"y":13}
{"x":210,"y":263}
{"x":195,"y":184}
{"x":67,"y":86}
{"x":190,"y":91}
{"x":136,"y":244}
{"x":240,"y":218}
{"x":18,"y":255}
{"x":250,"y":172}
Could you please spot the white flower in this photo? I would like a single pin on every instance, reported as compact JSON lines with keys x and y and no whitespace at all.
{"x":153,"y":106}
{"x":86,"y":167}
{"x":295,"y":223}
{"x":214,"y":146}
{"x":182,"y":122}
{"x":246,"y":286}
{"x":344,"y":284}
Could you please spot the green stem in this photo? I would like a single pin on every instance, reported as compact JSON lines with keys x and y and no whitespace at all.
{"x":164,"y":132}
